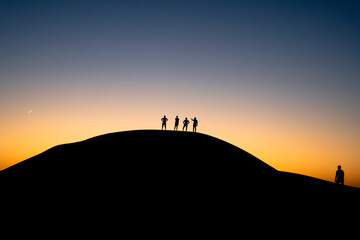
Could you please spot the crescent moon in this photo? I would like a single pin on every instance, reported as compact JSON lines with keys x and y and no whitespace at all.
{"x":30,"y":111}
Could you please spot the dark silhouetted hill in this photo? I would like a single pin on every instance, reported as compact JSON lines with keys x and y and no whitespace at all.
{"x":166,"y":173}
{"x":144,"y":155}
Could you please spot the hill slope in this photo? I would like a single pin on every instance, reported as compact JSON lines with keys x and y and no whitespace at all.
{"x":147,"y":154}
{"x":163,"y":164}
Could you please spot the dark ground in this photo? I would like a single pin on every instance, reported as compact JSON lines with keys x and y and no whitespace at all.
{"x":169,"y":179}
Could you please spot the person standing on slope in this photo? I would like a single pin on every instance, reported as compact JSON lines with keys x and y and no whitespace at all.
{"x":185,"y":122}
{"x":164,"y":120}
{"x":339,"y":177}
{"x":194,"y":124}
{"x":176,"y":123}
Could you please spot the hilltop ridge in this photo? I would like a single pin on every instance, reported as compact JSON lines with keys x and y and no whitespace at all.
{"x":161,"y":162}
{"x":156,"y":151}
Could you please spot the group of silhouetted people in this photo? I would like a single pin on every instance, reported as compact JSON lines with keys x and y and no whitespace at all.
{"x":177,"y":120}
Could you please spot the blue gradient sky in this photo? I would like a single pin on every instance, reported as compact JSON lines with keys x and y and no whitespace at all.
{"x":263,"y":75}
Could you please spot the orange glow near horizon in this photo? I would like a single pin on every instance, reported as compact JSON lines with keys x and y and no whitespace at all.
{"x":306,"y":148}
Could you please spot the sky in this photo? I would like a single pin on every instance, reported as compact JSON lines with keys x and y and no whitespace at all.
{"x":279,"y":79}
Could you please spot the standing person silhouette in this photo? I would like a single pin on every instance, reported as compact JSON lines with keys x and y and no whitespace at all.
{"x":176,"y":123}
{"x":339,"y":177}
{"x":185,"y":122}
{"x":194,"y":124}
{"x":164,"y":120}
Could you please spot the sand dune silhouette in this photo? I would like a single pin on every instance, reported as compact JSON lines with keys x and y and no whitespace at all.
{"x":144,"y":155}
{"x":165,"y":167}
